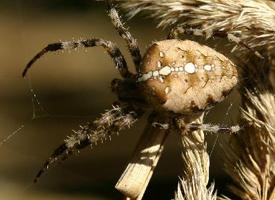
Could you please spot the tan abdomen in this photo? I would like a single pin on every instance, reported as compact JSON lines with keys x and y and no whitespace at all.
{"x":185,"y":77}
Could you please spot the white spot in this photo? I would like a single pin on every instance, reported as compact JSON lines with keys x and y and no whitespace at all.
{"x":145,"y":77}
{"x":68,"y":45}
{"x":172,"y":69}
{"x":215,"y":129}
{"x":207,"y":67}
{"x":155,"y":73}
{"x":165,"y":71}
{"x":160,"y":125}
{"x":161,"y":54}
{"x":161,"y":79}
{"x":181,"y":69}
{"x":235,"y":129}
{"x":140,"y":79}
{"x":176,"y":69}
{"x":150,"y":74}
{"x":159,"y":64}
{"x":190,"y":68}
{"x":167,"y":90}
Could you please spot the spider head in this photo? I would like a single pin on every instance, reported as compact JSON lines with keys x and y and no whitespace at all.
{"x":127,"y":91}
{"x":185,"y":77}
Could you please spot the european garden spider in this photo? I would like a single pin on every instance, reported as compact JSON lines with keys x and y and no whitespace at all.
{"x":177,"y":79}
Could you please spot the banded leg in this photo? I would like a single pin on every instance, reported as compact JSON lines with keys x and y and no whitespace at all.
{"x":109,"y":46}
{"x":212,"y":128}
{"x":111,"y":122}
{"x":179,"y":30}
{"x":200,"y":127}
{"x":125,"y":34}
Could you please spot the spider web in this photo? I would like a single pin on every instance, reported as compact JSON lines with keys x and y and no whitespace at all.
{"x":216,"y":139}
{"x":38,"y":112}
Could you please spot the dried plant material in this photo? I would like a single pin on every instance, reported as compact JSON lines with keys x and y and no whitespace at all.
{"x":251,"y":158}
{"x":193,"y":184}
{"x":249,"y":21}
{"x":136,"y":176}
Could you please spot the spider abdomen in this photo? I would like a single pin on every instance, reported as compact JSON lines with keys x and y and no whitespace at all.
{"x":185,"y":77}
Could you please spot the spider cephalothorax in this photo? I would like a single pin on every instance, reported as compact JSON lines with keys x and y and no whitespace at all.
{"x":174,"y":78}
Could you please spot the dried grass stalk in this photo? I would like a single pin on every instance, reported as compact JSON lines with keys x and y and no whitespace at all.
{"x":139,"y":171}
{"x":193,"y":184}
{"x":251,"y":21}
{"x":251,"y":159}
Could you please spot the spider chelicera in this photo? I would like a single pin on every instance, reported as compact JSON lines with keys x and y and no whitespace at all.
{"x":175,"y":78}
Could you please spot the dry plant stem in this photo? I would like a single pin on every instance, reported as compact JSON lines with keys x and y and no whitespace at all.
{"x":133,"y":182}
{"x":251,"y":21}
{"x":251,"y":158}
{"x":193,"y":185}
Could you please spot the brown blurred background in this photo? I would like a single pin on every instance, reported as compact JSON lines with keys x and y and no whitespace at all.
{"x":72,"y":88}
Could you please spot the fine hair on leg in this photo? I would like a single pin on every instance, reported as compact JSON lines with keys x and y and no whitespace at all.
{"x":179,"y":30}
{"x":212,"y":128}
{"x":110,"y":123}
{"x":109,"y":46}
{"x":124,"y":33}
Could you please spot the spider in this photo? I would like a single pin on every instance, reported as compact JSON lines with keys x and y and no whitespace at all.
{"x":175,"y":79}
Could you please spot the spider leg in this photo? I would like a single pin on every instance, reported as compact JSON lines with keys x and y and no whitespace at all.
{"x":238,"y":41}
{"x":212,"y":128}
{"x":109,"y":46}
{"x":61,"y":153}
{"x":111,"y":122}
{"x":179,"y":30}
{"x":124,"y":33}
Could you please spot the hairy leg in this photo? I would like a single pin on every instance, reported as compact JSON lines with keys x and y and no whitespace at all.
{"x":109,"y":46}
{"x":179,"y":30}
{"x":125,"y":34}
{"x":212,"y":128}
{"x":111,"y":122}
{"x":209,"y":128}
{"x":189,"y":127}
